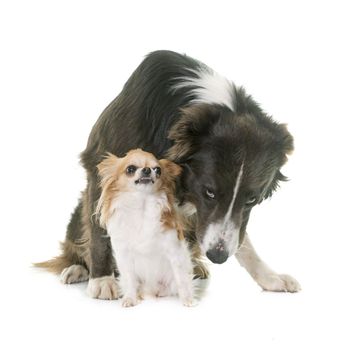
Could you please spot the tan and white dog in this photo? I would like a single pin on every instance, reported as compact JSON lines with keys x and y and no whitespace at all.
{"x":137,"y":209}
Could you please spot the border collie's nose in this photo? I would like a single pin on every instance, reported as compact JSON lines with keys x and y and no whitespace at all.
{"x":146,"y":171}
{"x":218,"y":254}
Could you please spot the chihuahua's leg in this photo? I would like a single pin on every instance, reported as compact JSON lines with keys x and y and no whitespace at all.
{"x":266,"y":278}
{"x":182,"y":268}
{"x":128,"y":278}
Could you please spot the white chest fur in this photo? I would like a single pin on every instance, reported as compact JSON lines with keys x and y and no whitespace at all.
{"x":150,"y":258}
{"x":136,"y":220}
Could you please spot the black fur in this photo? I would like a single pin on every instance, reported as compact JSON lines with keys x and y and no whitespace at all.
{"x":209,"y":141}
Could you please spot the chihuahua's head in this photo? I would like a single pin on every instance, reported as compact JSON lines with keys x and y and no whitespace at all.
{"x":137,"y":171}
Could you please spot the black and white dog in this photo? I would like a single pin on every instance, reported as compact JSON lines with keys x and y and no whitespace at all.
{"x":231,"y":153}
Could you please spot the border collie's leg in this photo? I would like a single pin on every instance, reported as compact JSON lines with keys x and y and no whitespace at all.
{"x":261,"y":273}
{"x":102,"y":282}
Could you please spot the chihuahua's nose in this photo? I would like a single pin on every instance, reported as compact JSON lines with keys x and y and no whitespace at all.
{"x":146,"y":171}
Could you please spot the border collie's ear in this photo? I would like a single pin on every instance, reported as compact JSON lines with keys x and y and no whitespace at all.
{"x":286,"y":140}
{"x":275,"y":184}
{"x":286,"y":145}
{"x":195,"y":122}
{"x":170,"y":167}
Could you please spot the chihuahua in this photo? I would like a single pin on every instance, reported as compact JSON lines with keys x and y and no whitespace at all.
{"x":137,"y":209}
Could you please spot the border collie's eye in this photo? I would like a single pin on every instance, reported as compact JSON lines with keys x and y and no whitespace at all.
{"x":131,"y":169}
{"x":210,"y":194}
{"x":250,"y":201}
{"x":157,"y":170}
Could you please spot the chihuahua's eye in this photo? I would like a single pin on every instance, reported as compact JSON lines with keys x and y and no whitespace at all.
{"x":210,"y":194}
{"x":131,"y":169}
{"x":157,"y":170}
{"x":250,"y":200}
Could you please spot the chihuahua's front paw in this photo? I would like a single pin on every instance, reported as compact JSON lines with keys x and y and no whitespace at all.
{"x":189,"y":302}
{"x":103,"y":288}
{"x":129,"y":301}
{"x":186,"y":297}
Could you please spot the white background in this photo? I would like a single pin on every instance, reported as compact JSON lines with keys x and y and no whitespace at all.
{"x":62,"y":62}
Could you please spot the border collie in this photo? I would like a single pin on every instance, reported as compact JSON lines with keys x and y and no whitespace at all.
{"x":230,"y":152}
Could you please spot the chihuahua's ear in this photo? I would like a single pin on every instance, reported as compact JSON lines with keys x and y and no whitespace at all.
{"x":170,"y":167}
{"x":108,"y":172}
{"x":108,"y":167}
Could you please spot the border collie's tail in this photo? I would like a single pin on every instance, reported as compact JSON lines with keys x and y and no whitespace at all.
{"x":55,"y":265}
{"x":72,"y":254}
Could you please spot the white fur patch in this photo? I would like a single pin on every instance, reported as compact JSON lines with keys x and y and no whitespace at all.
{"x":225,"y":230}
{"x":228,"y":233}
{"x":188,"y":209}
{"x":262,"y":273}
{"x":209,"y":87}
{"x":235,"y":191}
{"x":151,"y":259}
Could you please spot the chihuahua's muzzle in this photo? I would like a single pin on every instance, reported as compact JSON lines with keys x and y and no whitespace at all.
{"x":145,"y":177}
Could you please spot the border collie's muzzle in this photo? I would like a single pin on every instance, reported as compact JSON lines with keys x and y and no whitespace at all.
{"x":220,"y":241}
{"x":219,"y":253}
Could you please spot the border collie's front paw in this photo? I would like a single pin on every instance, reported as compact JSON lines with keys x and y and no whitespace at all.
{"x":103,"y":288}
{"x":129,"y":301}
{"x":279,"y":283}
{"x":74,"y":274}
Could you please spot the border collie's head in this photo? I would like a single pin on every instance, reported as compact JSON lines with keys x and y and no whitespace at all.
{"x":231,"y":162}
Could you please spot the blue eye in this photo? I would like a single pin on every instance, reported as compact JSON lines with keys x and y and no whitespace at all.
{"x":131,"y":169}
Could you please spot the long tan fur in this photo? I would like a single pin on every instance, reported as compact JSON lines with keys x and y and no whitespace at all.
{"x":57,"y":264}
{"x":72,"y":253}
{"x":108,"y":171}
